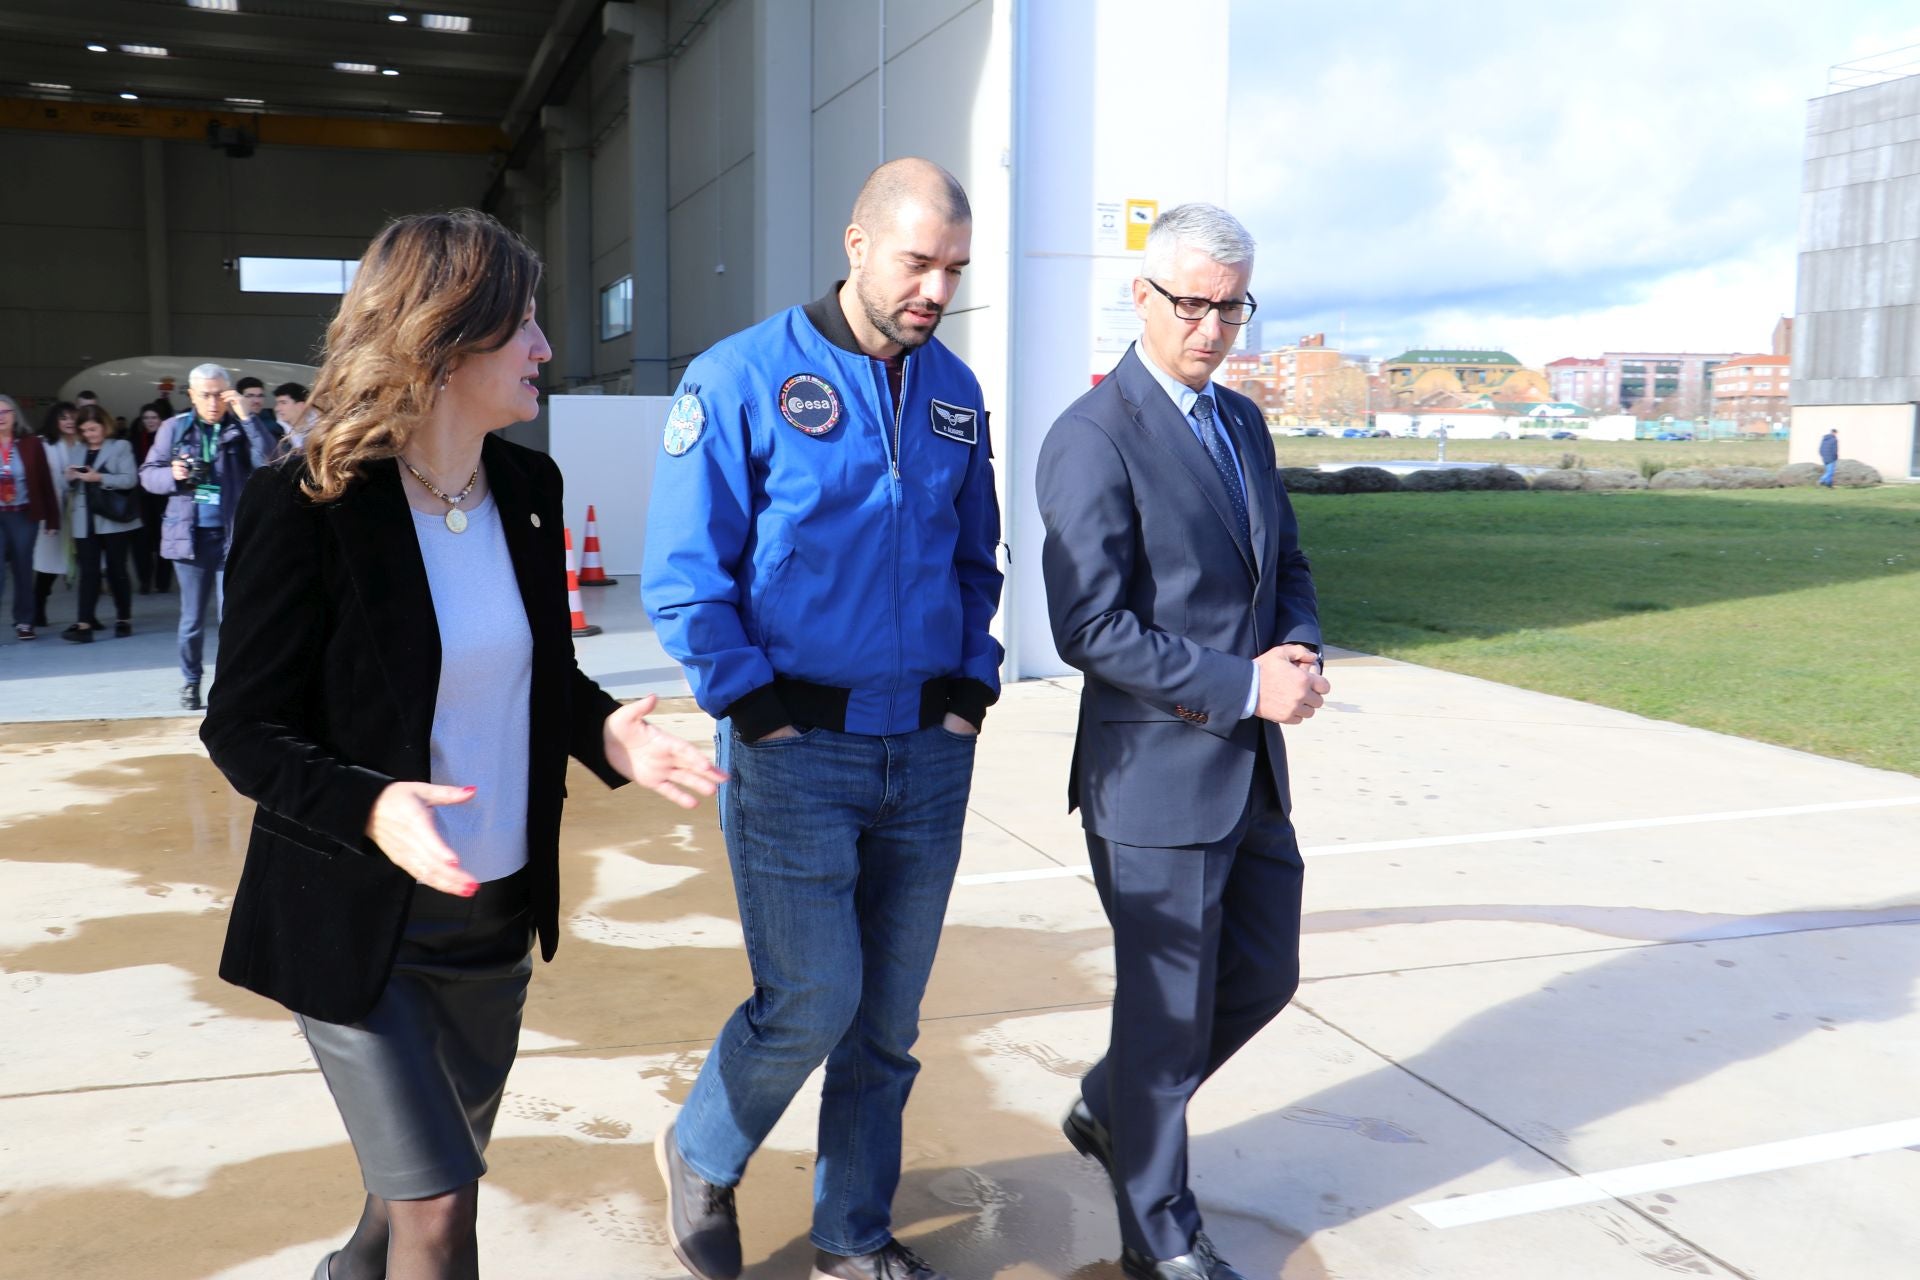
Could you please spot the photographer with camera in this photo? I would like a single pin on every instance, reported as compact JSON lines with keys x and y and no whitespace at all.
{"x":200,"y":460}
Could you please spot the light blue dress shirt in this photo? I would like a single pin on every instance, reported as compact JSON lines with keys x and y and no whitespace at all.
{"x":1184,"y":397}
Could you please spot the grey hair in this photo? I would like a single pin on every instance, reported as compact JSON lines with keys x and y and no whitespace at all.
{"x":209,"y":372}
{"x":18,"y":417}
{"x":1206,"y":227}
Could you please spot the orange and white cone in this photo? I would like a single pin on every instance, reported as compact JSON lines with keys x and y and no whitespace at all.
{"x":592,"y":574}
{"x":581,"y":627}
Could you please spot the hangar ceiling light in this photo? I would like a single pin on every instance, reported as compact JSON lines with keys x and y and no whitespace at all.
{"x":52,"y":88}
{"x":215,"y":6}
{"x":96,"y":48}
{"x":131,"y":97}
{"x":445,"y":22}
{"x":248,"y":102}
{"x":356,"y":68}
{"x":144,"y":50}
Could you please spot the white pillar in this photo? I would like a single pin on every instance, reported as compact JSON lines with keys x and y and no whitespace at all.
{"x":1086,"y":138}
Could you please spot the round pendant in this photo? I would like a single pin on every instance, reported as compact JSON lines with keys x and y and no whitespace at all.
{"x":457,"y":520}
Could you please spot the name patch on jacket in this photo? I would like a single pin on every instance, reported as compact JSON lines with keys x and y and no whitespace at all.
{"x":955,"y":423}
{"x":810,"y":403}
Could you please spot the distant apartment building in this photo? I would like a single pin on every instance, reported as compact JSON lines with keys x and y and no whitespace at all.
{"x":1647,"y":384}
{"x":1307,"y":381}
{"x":1579,"y":381}
{"x":1448,"y":379}
{"x":1856,"y":331}
{"x":1752,"y":391}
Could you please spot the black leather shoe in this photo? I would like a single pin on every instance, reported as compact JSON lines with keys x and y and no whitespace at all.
{"x":1202,"y":1264}
{"x":702,"y":1226}
{"x":1088,"y":1136}
{"x":78,"y":634}
{"x":190,"y":697}
{"x":892,"y":1261}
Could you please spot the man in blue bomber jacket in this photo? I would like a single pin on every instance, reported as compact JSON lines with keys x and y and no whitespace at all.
{"x":821,"y":559}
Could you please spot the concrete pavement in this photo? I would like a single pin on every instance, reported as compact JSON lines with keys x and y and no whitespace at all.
{"x":1586,"y":995}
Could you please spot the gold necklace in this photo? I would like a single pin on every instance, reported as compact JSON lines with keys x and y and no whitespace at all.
{"x":456,"y":518}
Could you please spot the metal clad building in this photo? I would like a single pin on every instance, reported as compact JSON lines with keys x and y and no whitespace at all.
{"x":1856,"y":349}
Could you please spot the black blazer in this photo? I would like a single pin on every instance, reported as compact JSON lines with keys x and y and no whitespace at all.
{"x":329,"y":663}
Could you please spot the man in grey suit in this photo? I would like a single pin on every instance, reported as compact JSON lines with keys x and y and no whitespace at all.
{"x":1175,"y":582}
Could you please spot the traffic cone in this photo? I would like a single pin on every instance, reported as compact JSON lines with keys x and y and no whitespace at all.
{"x":591,"y":573}
{"x":581,"y":627}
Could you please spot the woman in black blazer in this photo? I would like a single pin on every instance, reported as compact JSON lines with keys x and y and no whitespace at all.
{"x":398,"y":693}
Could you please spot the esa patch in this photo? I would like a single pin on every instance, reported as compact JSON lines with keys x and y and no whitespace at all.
{"x":952,"y":422}
{"x":685,"y":422}
{"x":810,"y":403}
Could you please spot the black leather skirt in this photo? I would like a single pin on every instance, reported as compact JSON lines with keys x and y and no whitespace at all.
{"x":419,"y":1080}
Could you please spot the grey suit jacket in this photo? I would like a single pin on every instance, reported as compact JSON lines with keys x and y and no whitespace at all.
{"x":1151,"y":594}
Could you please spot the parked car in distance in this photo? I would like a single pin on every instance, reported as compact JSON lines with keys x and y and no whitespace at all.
{"x":1311,"y":431}
{"x":1294,"y":431}
{"x":1501,"y":435}
{"x":1564,"y":435}
{"x":1531,"y":435}
{"x":1381,"y":433}
{"x":1354,"y":433}
{"x":1674,"y":435}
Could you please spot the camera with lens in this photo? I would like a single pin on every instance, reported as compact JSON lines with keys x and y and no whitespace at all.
{"x":199,"y":470}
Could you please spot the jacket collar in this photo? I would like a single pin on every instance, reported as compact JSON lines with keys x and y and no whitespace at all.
{"x":824,"y":314}
{"x":1154,"y":409}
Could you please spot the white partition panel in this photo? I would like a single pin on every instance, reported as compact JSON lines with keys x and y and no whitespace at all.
{"x":605,"y":447}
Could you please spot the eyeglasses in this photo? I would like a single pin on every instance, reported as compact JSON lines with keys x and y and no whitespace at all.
{"x":1232,"y":311}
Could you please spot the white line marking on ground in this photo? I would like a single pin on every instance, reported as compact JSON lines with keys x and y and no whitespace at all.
{"x":1490,"y":837}
{"x":1792,"y":1153}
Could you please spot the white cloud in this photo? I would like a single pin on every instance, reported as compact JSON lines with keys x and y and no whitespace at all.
{"x":1551,"y":180}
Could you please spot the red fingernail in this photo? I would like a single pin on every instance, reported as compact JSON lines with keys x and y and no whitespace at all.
{"x":470,"y":790}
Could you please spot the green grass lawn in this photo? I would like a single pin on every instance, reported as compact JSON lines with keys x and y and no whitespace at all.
{"x":1308,"y":451}
{"x":1787,"y":615}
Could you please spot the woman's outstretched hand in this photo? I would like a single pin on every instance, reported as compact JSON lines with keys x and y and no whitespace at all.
{"x":656,"y":759}
{"x":402,"y":825}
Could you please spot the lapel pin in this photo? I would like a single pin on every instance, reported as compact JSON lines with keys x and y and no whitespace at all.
{"x":535,"y":517}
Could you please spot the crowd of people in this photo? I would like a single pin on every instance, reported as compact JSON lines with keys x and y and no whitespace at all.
{"x":77,"y":507}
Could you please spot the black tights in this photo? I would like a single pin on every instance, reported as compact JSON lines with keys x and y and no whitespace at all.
{"x":42,"y":588}
{"x":413,"y":1240}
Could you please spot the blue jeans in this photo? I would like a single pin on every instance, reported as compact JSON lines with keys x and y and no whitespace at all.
{"x":843,"y":848}
{"x":202,"y":579}
{"x":1826,"y":477}
{"x":17,"y":533}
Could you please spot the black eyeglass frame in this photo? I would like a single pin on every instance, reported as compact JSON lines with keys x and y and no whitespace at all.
{"x":1206,"y":305}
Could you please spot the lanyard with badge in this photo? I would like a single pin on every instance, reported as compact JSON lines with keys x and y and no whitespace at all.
{"x":208,"y":493}
{"x":9,"y":487}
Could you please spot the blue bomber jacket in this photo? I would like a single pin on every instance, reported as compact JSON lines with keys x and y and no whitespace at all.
{"x":814,"y":555}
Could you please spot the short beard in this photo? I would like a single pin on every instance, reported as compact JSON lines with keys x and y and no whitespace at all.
{"x":890,"y":329}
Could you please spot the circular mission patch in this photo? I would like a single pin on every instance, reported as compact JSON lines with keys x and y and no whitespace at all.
{"x":684,"y":423}
{"x":810,"y":403}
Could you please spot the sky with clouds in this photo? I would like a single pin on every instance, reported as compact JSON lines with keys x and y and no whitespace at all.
{"x":1551,"y":180}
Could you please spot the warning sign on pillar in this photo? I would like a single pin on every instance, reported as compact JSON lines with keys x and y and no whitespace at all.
{"x":1140,"y":216}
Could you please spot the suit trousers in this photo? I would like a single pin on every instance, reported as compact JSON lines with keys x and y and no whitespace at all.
{"x":1206,"y":951}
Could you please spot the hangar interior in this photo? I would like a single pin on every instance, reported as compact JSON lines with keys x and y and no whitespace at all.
{"x":685,"y":167}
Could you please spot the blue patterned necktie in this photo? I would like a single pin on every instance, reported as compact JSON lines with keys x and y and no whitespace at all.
{"x":1223,"y":463}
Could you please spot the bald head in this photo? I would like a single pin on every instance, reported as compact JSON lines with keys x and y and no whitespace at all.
{"x":909,"y":240}
{"x":909,"y":181}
